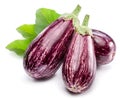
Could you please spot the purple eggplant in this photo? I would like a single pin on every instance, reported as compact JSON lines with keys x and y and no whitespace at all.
{"x":79,"y":66}
{"x":105,"y":47}
{"x":45,"y":53}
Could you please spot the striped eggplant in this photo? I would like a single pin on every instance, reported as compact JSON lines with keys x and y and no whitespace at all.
{"x":105,"y":47}
{"x":79,"y":66}
{"x":44,"y":55}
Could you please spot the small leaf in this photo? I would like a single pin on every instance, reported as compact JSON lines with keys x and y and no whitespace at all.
{"x":19,"y":46}
{"x":44,"y":17}
{"x":27,"y":30}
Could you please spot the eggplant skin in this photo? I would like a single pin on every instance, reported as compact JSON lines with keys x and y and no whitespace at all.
{"x":79,"y":66}
{"x":105,"y":47}
{"x":45,"y":53}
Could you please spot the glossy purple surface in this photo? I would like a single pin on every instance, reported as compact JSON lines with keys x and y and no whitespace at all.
{"x":44,"y":55}
{"x":80,"y":64}
{"x":105,"y":47}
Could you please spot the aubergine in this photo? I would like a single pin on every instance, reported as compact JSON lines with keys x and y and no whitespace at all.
{"x":79,"y":67}
{"x":44,"y":55}
{"x":105,"y":47}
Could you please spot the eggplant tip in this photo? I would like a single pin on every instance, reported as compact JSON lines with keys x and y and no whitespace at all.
{"x":76,"y":89}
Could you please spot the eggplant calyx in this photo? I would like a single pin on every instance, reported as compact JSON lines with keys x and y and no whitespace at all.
{"x":73,"y":16}
{"x":81,"y":29}
{"x":84,"y":29}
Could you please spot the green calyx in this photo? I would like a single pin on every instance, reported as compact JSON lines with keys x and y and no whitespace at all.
{"x":73,"y":15}
{"x":84,"y":29}
{"x":81,"y":29}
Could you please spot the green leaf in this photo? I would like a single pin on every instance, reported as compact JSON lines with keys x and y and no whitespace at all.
{"x":19,"y":46}
{"x":44,"y":17}
{"x":27,"y":30}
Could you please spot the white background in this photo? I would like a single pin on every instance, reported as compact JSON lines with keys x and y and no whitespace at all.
{"x":15,"y":83}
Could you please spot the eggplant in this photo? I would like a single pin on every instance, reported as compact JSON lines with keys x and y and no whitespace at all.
{"x":44,"y":55}
{"x":105,"y":47}
{"x":79,"y":67}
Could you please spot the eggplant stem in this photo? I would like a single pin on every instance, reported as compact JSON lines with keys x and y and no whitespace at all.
{"x":84,"y":29}
{"x":76,"y":10}
{"x":85,"y":20}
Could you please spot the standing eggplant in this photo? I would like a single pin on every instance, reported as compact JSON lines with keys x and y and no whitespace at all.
{"x":105,"y":47}
{"x":79,"y":67}
{"x":45,"y":53}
